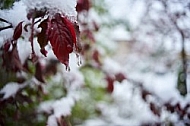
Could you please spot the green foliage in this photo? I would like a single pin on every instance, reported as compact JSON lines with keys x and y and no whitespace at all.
{"x":100,"y":7}
{"x":93,"y":93}
{"x":6,"y":77}
{"x":6,"y":4}
{"x":19,"y":111}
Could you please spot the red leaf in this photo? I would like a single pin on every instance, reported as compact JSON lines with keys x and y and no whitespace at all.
{"x":62,"y":37}
{"x":83,"y":5}
{"x":120,"y":77}
{"x":39,"y":73}
{"x":96,"y":57}
{"x":42,"y":37}
{"x":110,"y":83}
{"x":155,"y":110}
{"x":11,"y":60}
{"x":7,"y":46}
{"x":43,"y":51}
{"x":17,"y":31}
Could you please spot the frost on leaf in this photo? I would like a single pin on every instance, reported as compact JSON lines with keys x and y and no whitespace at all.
{"x":62,"y":36}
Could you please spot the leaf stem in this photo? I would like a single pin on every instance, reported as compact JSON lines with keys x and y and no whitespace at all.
{"x":32,"y":36}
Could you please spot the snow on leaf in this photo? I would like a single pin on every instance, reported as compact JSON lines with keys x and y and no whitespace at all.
{"x":46,"y":106}
{"x":10,"y":89}
{"x":62,"y":37}
{"x":52,"y":121}
{"x":17,"y":31}
{"x":63,"y":107}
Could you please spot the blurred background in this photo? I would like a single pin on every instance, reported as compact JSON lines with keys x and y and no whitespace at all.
{"x":134,"y":71}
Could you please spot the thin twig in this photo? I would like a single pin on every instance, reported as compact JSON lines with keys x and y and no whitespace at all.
{"x":7,"y":27}
{"x":32,"y":36}
{"x":3,"y":20}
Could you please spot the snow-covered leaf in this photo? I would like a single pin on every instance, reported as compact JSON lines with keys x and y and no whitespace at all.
{"x":10,"y":89}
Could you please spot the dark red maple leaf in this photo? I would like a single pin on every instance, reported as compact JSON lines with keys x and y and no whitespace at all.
{"x":62,"y":36}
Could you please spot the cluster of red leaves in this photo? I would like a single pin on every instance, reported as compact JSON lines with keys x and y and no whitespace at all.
{"x":11,"y":60}
{"x":181,"y":111}
{"x":111,"y":79}
{"x":91,"y":53}
{"x":61,"y":33}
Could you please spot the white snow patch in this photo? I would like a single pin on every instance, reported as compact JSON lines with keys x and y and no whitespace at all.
{"x":65,"y":6}
{"x":63,"y":107}
{"x":111,"y":66}
{"x":24,"y":50}
{"x":45,"y":106}
{"x":16,"y":14}
{"x":52,"y":121}
{"x":120,"y":34}
{"x":10,"y":89}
